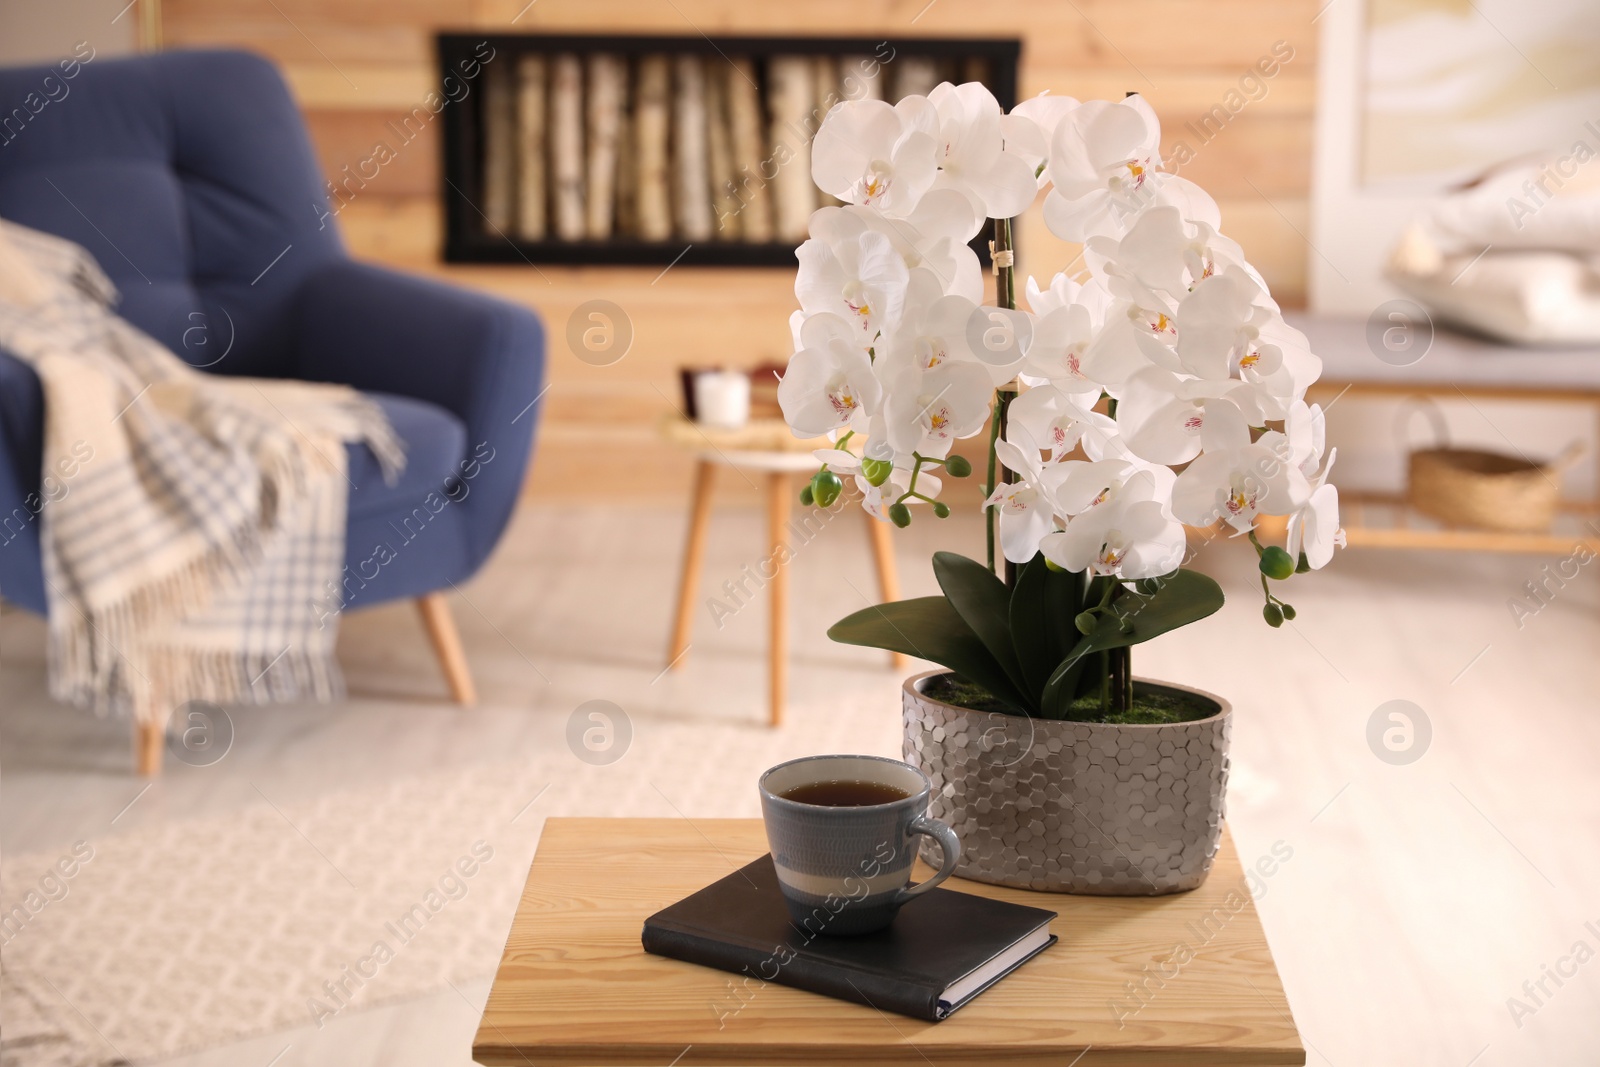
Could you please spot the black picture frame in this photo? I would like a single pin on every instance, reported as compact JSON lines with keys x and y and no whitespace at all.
{"x":466,"y":240}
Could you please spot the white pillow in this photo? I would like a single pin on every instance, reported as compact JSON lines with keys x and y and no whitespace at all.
{"x":1529,"y":298}
{"x":1507,"y":209}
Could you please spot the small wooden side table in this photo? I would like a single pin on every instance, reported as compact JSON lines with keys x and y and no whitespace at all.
{"x":764,"y":447}
{"x":1185,"y":979}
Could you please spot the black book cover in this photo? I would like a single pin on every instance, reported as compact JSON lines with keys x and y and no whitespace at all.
{"x":740,"y":924}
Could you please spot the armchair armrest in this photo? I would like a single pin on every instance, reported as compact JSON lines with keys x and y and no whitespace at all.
{"x":480,"y":357}
{"x":21,"y":452}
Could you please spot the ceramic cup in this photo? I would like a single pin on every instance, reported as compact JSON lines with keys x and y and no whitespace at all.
{"x":722,"y":399}
{"x":847,"y":870}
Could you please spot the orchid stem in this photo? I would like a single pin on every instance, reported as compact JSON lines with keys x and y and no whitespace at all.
{"x":991,"y":514}
{"x":1005,"y":295}
{"x":911,"y":486}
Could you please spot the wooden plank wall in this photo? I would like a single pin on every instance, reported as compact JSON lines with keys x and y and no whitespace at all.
{"x":355,"y":65}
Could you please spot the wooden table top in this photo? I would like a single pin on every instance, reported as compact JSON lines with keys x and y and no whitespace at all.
{"x":1182,"y":979}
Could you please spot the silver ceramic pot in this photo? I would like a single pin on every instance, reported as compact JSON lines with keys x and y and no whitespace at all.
{"x":1073,"y":807}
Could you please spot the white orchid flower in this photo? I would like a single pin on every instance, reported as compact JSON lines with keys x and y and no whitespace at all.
{"x":1125,"y":530}
{"x":1031,"y":126}
{"x":934,"y":236}
{"x":797,"y":319}
{"x":1166,"y":252}
{"x":973,"y":156}
{"x":1220,"y":322}
{"x":1105,"y":168}
{"x":838,"y":460}
{"x":1000,"y":339}
{"x":1026,"y":506}
{"x":1058,"y":419}
{"x":1238,"y":484}
{"x":1085,"y":484}
{"x":1069,"y":317}
{"x":854,"y":273}
{"x":1287,"y":366}
{"x":1166,"y":318}
{"x":1134,"y":337}
{"x":868,"y":153}
{"x":932,"y":331}
{"x":950,"y":402}
{"x":1305,"y":430}
{"x":829,"y":384}
{"x":1314,"y":528}
{"x":1064,"y":292}
{"x":1167,"y":419}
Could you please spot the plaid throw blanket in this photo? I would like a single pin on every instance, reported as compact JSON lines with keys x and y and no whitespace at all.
{"x":192,"y":524}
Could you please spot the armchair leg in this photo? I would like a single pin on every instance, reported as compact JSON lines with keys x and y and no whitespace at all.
{"x":441,"y":626}
{"x":149,"y":740}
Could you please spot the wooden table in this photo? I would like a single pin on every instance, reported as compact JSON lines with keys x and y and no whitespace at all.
{"x":575,"y":987}
{"x":766,"y":448}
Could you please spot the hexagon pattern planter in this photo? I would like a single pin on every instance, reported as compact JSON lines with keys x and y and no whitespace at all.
{"x":1073,"y":807}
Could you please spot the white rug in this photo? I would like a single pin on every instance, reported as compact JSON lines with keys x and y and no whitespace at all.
{"x":207,"y":930}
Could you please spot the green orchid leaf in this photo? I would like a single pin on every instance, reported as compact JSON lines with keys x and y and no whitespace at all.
{"x":930,"y":628}
{"x":984,"y":602}
{"x":1182,"y":598}
{"x":1043,"y":605}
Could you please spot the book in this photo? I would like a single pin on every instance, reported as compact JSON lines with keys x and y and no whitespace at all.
{"x":719,"y":153}
{"x":531,"y":154}
{"x":499,"y":144}
{"x":826,"y":84}
{"x":942,"y":950}
{"x":791,"y":102}
{"x":652,"y":207}
{"x":608,"y":86}
{"x":915,"y":76}
{"x":566,"y":145}
{"x":692,"y":188}
{"x":625,"y":222}
{"x":753,"y":168}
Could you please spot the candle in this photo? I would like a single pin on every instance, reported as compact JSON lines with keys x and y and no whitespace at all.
{"x":722,"y":399}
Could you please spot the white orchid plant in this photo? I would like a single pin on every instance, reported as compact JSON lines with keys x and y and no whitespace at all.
{"x":1156,"y":387}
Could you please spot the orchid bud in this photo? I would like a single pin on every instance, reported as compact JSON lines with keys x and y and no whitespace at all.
{"x":876,"y":471}
{"x":1276,"y":563}
{"x":900,"y":515}
{"x":826,"y":487}
{"x":1084,"y":622}
{"x":1273,"y":615}
{"x":957,"y":467}
{"x":806,"y":496}
{"x":941,"y":510}
{"x":1288,"y":611}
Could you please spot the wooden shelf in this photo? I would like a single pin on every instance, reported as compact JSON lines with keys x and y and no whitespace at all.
{"x":470,"y":239}
{"x":1384,"y":520}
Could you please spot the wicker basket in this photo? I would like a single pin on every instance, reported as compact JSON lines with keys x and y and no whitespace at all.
{"x":1478,"y":489}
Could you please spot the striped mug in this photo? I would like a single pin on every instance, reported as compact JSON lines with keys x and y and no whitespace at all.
{"x":845,"y":867}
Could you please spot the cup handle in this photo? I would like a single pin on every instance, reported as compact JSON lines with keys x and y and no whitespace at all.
{"x":949,"y":844}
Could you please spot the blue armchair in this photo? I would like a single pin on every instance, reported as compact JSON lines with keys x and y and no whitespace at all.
{"x":190,"y":178}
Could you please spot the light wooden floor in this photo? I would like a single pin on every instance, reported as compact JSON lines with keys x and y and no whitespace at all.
{"x":1417,"y":899}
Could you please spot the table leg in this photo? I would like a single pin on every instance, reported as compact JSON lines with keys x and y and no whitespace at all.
{"x":694,"y":552}
{"x":779,"y":500}
{"x":888,"y":579}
